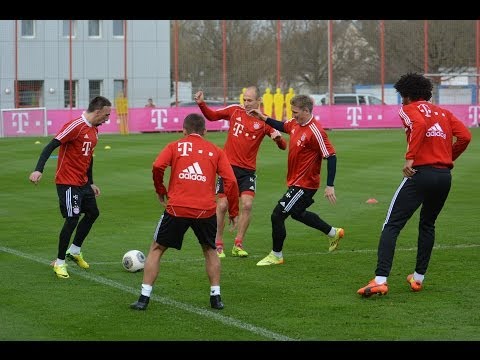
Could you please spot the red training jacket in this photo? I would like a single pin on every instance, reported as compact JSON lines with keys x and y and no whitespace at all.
{"x":195,"y":163}
{"x":245,"y":134}
{"x":309,"y":145}
{"x":430,"y":130}
{"x":78,"y":140}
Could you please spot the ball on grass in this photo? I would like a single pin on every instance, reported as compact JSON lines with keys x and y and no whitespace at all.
{"x":133,"y":261}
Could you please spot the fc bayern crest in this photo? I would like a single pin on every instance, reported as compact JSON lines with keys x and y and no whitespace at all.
{"x":256,"y":125}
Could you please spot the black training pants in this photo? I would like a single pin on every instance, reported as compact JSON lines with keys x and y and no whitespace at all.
{"x":429,"y":187}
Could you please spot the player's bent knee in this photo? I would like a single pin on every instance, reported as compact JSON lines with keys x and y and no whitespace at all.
{"x":93,"y":214}
{"x":247,"y":206}
{"x":71,"y":222}
{"x":277,"y":216}
{"x":298,"y":215}
{"x":222,"y":204}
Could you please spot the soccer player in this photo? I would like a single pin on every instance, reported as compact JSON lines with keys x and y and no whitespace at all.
{"x":74,"y":180}
{"x":308,"y":146}
{"x":195,"y":163}
{"x":435,"y":139}
{"x":245,"y":135}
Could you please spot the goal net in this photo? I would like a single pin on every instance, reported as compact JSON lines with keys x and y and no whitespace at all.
{"x":455,"y":88}
{"x":23,"y":122}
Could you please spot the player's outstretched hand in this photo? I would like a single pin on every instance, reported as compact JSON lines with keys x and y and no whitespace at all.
{"x":330,"y":194}
{"x":198,"y":97}
{"x":258,"y":114}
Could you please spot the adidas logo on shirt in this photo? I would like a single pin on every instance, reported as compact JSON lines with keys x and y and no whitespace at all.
{"x":193,"y":172}
{"x":436,"y":130}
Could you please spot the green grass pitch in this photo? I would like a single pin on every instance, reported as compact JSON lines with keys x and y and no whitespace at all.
{"x":312,"y":297}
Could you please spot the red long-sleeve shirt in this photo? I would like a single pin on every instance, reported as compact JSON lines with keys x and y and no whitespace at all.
{"x":78,"y":139}
{"x":245,"y":134}
{"x":195,"y":163}
{"x":308,"y":146}
{"x":430,"y":132}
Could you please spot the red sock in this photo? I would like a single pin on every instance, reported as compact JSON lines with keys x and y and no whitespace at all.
{"x":219,"y":243}
{"x":239,"y":243}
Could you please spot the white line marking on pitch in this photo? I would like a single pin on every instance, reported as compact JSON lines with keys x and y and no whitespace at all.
{"x":436,"y":247}
{"x":292,"y":254}
{"x":209,"y":313}
{"x":162,"y":299}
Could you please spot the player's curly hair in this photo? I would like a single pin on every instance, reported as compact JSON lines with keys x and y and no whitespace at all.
{"x":414,"y":86}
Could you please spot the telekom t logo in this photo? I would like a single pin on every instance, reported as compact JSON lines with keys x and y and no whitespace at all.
{"x":22,"y":120}
{"x":474,"y":114}
{"x":425,"y":109}
{"x":158,"y":116}
{"x":87,"y":146}
{"x":237,"y":129}
{"x":354,"y":114}
{"x":184,"y":148}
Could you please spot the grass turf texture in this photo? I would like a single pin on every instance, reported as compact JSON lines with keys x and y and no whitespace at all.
{"x":311,"y":297}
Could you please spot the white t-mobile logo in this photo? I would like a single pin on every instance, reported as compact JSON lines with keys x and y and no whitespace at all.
{"x":184,"y":148}
{"x":21,"y":119}
{"x":425,"y":109}
{"x":474,"y":115}
{"x":86,"y":148}
{"x":237,"y":129}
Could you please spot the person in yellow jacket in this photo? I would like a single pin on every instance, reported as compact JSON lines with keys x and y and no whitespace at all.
{"x":267,"y":100}
{"x":121,"y":107}
{"x":278,"y":101}
{"x":288,"y":106}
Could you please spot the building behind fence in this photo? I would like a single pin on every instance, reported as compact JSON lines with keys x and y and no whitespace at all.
{"x":62,"y":64}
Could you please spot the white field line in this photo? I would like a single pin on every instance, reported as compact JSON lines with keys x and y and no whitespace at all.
{"x":212,"y":314}
{"x":200,"y":311}
{"x":297,"y":254}
{"x":362,"y":251}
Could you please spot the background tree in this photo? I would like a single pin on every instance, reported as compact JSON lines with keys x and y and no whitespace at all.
{"x":251,"y":53}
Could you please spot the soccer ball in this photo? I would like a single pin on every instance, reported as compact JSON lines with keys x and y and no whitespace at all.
{"x":133,"y":261}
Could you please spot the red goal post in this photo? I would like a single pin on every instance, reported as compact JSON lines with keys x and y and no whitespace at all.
{"x":23,"y":122}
